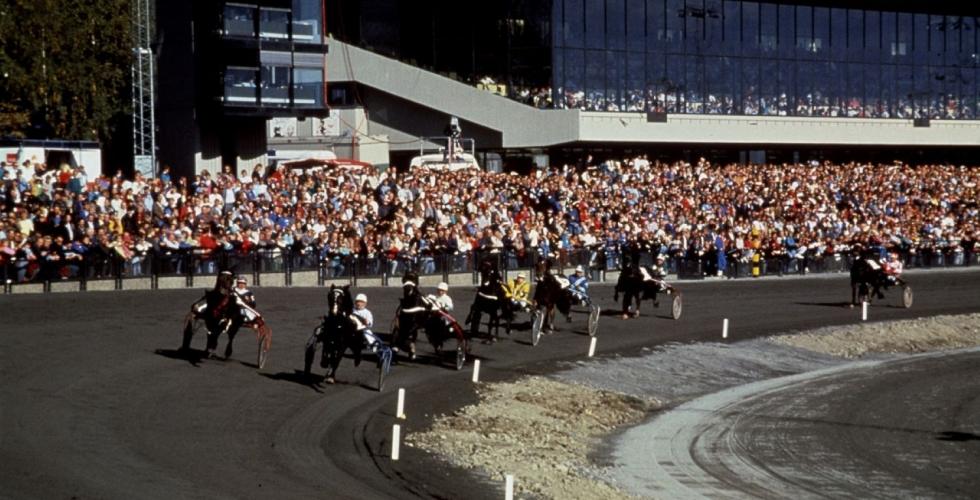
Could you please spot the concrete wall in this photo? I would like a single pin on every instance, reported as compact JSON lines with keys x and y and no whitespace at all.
{"x":715,"y":129}
{"x":518,"y":125}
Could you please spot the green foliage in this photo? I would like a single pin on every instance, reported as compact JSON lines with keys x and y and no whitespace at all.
{"x":64,"y":67}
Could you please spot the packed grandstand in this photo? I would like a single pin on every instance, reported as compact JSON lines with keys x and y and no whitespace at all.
{"x":59,"y":224}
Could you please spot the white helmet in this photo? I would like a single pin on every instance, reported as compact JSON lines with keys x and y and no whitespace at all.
{"x":361,"y":298}
{"x":443,"y":286}
{"x":521,"y":276}
{"x":660,"y":258}
{"x":579,"y":269}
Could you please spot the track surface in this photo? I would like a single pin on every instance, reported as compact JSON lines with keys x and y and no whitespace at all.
{"x":898,"y":429}
{"x":95,"y":402}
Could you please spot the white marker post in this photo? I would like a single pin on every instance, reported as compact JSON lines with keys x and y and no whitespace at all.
{"x":509,"y":487}
{"x":724,"y":328}
{"x":864,"y":310}
{"x":592,"y":347}
{"x":396,"y":436}
{"x":400,"y":412}
{"x":476,"y":370}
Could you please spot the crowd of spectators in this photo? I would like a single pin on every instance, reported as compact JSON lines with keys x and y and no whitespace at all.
{"x":56,"y":223}
{"x":752,"y":103}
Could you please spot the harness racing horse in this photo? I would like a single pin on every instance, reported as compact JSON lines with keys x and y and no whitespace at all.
{"x":868,"y":279}
{"x":416,"y":312}
{"x":221,"y":310}
{"x":410,"y":316}
{"x":549,"y":295}
{"x":336,"y":333}
{"x":636,"y":285}
{"x":491,"y":299}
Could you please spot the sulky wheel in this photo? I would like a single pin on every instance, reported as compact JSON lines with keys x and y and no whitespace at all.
{"x":907,"y":296}
{"x":537,"y":322}
{"x":594,"y":312}
{"x":676,"y":306}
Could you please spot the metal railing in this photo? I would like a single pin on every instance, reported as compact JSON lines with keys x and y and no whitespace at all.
{"x":279,"y":265}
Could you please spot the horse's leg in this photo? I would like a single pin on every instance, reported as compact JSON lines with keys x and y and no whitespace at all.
{"x":188,"y":332}
{"x":337,"y":352}
{"x":214,"y":330}
{"x":232,"y":331}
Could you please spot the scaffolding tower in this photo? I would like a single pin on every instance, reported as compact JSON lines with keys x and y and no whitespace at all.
{"x":144,"y":117}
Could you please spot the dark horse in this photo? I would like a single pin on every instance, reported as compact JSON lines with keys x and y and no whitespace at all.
{"x":222,"y":311}
{"x":491,"y":299}
{"x":636,"y":288}
{"x":336,"y":333}
{"x":867,"y":278}
{"x":550,"y":294}
{"x":416,"y":312}
{"x":411,"y":315}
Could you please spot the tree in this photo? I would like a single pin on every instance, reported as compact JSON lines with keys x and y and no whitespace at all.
{"x":64,"y":68}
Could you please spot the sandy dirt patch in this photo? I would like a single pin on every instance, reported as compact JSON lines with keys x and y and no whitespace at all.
{"x":893,"y":337}
{"x":538,"y":429}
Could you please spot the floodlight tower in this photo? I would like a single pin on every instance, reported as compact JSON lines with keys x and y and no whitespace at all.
{"x":144,"y":118}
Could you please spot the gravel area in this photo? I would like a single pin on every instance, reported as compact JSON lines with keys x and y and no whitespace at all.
{"x":893,"y":337}
{"x":538,"y":429}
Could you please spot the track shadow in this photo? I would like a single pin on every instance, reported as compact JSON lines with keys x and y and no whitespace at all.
{"x":297,"y":377}
{"x":957,"y":436}
{"x":192,"y":356}
{"x":844,"y":304}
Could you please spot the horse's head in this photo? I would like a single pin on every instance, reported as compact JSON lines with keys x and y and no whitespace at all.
{"x":225,"y":282}
{"x":335,"y":299}
{"x":542,"y":268}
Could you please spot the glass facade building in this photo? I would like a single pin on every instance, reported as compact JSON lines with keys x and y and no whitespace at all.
{"x":794,"y":58}
{"x":272,"y":55}
{"x":751,"y":58}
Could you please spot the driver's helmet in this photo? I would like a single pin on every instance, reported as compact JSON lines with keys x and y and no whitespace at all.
{"x":241,"y":281}
{"x":579,"y":270}
{"x":443,"y":286}
{"x":361,"y":298}
{"x":660,"y":259}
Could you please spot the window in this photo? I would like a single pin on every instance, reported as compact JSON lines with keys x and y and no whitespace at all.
{"x":239,"y":83}
{"x":275,"y":85}
{"x":239,"y":20}
{"x":274,"y":23}
{"x":308,"y":87}
{"x":307,"y":21}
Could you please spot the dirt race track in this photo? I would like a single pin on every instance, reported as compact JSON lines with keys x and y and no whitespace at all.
{"x":95,"y":402}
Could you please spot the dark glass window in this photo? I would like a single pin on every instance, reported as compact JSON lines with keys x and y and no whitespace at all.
{"x":575,"y":78}
{"x":595,"y":79}
{"x":838,"y":34}
{"x":616,"y":24}
{"x":872,"y":36}
{"x":750,"y":28}
{"x":574,"y":23}
{"x":821,"y":32}
{"x":769,"y":26}
{"x":787,"y":30}
{"x":595,"y":24}
{"x":239,"y":20}
{"x":636,"y":25}
{"x":732,"y":27}
{"x":805,"y":47}
{"x":713,"y":26}
{"x":615,"y":80}
{"x":855,"y":34}
{"x":675,"y":87}
{"x":307,"y":21}
{"x":635,"y":81}
{"x":273,"y":23}
{"x":750,"y":87}
{"x":674,"y":35}
{"x":308,"y":87}
{"x":240,"y":85}
{"x":275,"y":85}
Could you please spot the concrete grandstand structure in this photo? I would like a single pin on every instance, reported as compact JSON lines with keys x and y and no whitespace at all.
{"x":921,"y":108}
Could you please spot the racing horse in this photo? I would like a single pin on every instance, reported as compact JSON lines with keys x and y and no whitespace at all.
{"x":491,"y":299}
{"x":336,"y":333}
{"x":221,"y":310}
{"x":549,"y":295}
{"x":868,"y":279}
{"x":416,"y":312}
{"x":635,"y":286}
{"x":410,"y":316}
